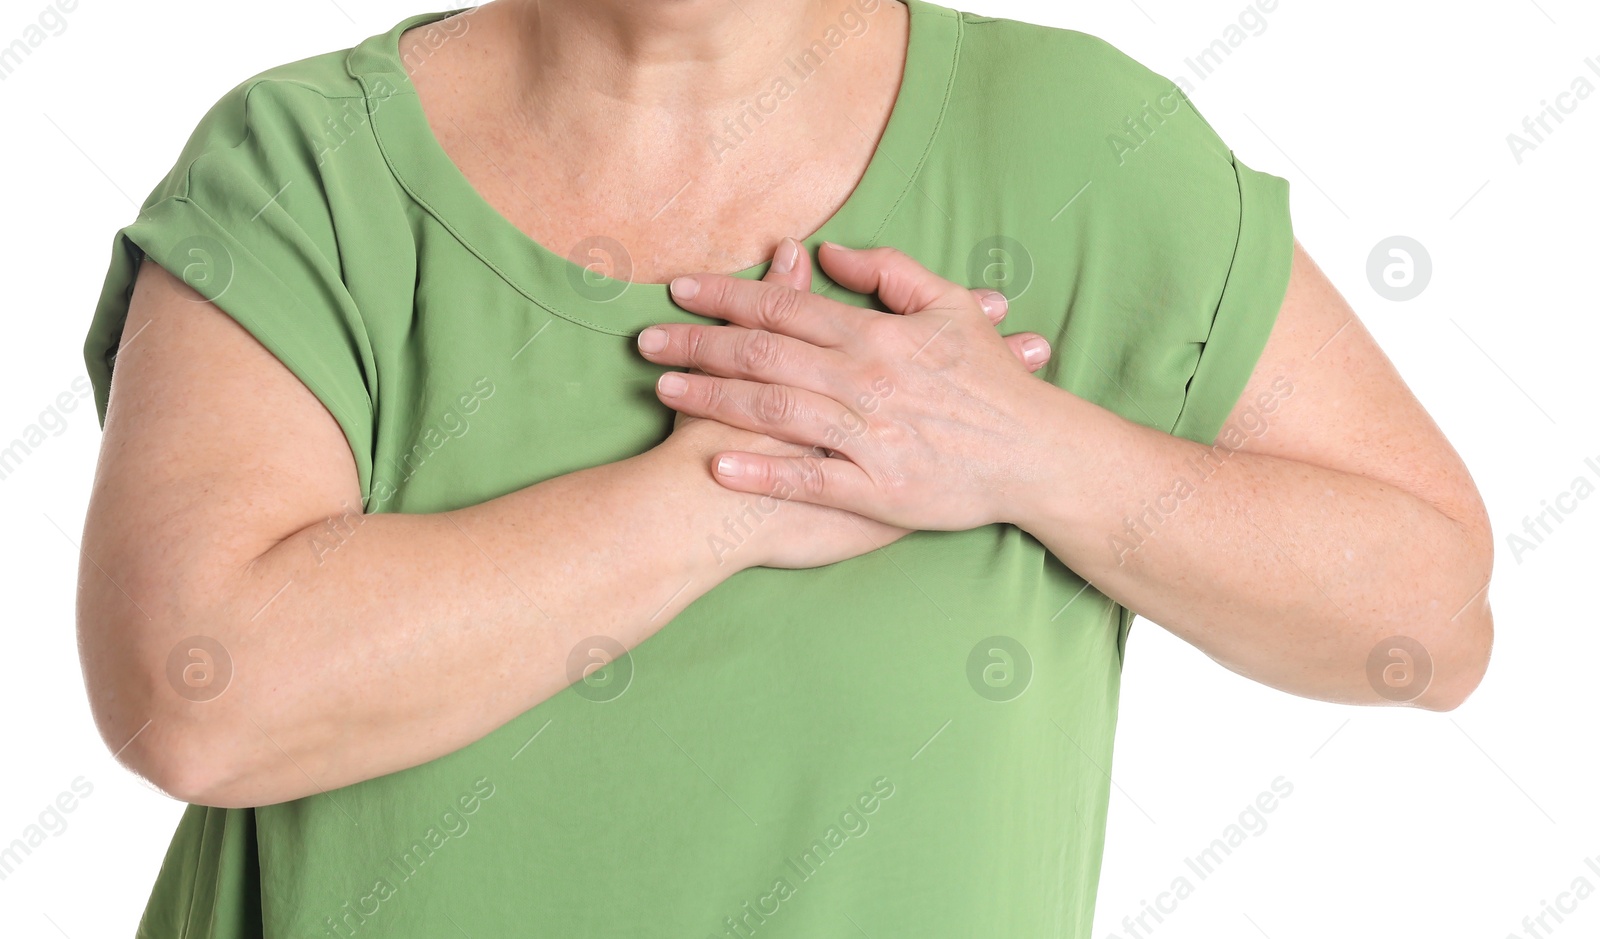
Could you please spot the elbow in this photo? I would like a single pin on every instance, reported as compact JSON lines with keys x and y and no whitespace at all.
{"x":164,"y":718}
{"x":1468,"y":662}
{"x":212,"y":754}
{"x":160,"y":674}
{"x":200,"y":765}
{"x":1464,"y":643}
{"x":1464,"y":666}
{"x":176,"y":759}
{"x":183,"y":775}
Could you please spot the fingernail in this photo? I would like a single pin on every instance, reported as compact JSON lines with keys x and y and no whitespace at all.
{"x":1034,"y":350}
{"x":652,"y":340}
{"x":684,"y":288}
{"x":672,"y":384}
{"x":835,"y":245}
{"x":993,"y":302}
{"x":728,"y":466}
{"x":787,"y":254}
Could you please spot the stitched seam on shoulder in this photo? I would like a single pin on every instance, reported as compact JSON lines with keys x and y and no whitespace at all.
{"x":250,"y":90}
{"x":293,"y":83}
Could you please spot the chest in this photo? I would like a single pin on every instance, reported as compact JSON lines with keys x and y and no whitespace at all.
{"x":666,"y":194}
{"x":669,"y":214}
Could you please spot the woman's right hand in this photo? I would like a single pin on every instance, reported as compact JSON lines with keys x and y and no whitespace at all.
{"x":761,"y":531}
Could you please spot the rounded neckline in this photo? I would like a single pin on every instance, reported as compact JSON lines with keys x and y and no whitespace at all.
{"x":566,"y":289}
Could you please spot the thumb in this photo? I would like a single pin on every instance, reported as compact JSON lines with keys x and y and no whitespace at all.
{"x":1031,"y":349}
{"x":903,"y":285}
{"x":791,"y":266}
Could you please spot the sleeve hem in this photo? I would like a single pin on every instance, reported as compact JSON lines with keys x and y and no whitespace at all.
{"x":210,"y":259}
{"x":1257,"y":282}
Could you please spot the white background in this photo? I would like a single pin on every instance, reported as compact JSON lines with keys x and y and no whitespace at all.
{"x":1387,"y":118}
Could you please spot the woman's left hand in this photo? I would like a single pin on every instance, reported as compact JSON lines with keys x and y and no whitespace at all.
{"x":919,"y":418}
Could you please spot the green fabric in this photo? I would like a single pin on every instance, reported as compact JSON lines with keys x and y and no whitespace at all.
{"x":828,"y":752}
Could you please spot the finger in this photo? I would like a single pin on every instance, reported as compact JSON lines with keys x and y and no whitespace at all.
{"x":791,"y":266}
{"x":736,"y":352}
{"x":900,"y":282}
{"x":773,"y":307}
{"x":993,"y":302}
{"x":1032,"y":349}
{"x":782,"y":412}
{"x":814,"y":479}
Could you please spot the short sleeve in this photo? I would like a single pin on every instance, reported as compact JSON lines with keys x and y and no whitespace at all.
{"x":244,"y":218}
{"x":1169,"y":255}
{"x":1252,"y":294}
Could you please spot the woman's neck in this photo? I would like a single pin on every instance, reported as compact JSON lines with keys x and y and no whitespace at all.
{"x":680,"y":58}
{"x":693,"y":134}
{"x":664,"y":54}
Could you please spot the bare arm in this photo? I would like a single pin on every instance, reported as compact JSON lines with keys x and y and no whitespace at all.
{"x":1332,"y":516}
{"x":1291,"y":556}
{"x":217,"y":472}
{"x":227,"y":505}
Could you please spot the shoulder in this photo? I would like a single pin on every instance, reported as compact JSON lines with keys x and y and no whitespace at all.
{"x":1166,"y":255}
{"x":1066,"y":58}
{"x":281,"y":123}
{"x":1068,"y":117}
{"x":1054,"y":81}
{"x":254,"y":214}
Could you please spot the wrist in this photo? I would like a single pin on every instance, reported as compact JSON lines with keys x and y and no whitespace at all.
{"x":719,"y":536}
{"x":1055,"y":459}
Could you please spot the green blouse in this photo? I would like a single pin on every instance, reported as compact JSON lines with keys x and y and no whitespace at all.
{"x":914,"y":742}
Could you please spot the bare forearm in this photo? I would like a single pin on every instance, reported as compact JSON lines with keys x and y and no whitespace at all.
{"x":1284,"y":572}
{"x":378,"y":642}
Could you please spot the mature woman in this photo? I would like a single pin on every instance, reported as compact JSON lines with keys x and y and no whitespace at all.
{"x":471,"y":580}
